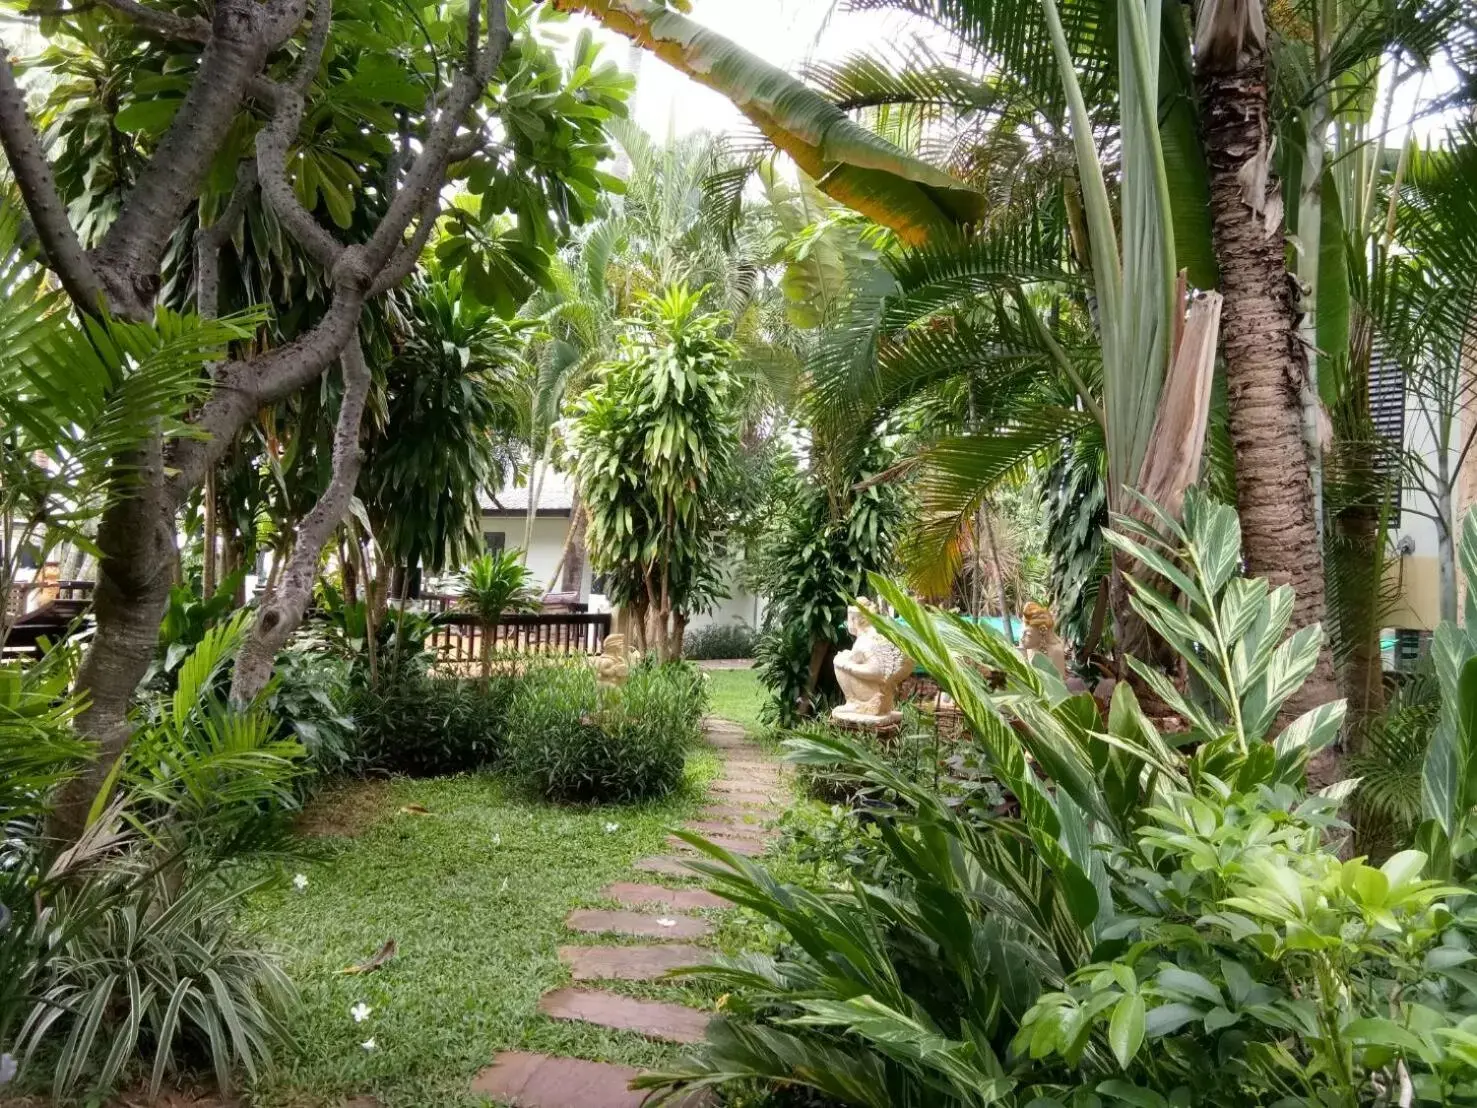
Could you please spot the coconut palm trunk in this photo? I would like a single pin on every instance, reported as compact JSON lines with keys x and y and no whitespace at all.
{"x":1265,"y":363}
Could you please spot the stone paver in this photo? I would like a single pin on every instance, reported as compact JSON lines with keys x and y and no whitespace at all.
{"x":633,"y":893}
{"x":674,"y":1023}
{"x":739,"y":796}
{"x":753,"y":817}
{"x":630,"y":963}
{"x":724,"y":827}
{"x":750,"y":848}
{"x":666,"y":866}
{"x":727,"y":740}
{"x":539,"y":1081}
{"x":639,"y":924}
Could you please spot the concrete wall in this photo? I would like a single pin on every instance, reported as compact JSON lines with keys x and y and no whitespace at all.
{"x":549,"y":533}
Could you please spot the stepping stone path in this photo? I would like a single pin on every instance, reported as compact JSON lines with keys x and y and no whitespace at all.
{"x":745,"y":799}
{"x":634,"y":895}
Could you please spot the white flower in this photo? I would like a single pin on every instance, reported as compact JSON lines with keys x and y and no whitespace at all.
{"x":612,"y":828}
{"x":497,"y":840}
{"x":360,"y":1012}
{"x":300,"y":882}
{"x":368,"y":1044}
{"x":8,"y":1067}
{"x":666,"y":922}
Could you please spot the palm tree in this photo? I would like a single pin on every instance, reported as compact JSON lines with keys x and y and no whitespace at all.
{"x":495,"y":583}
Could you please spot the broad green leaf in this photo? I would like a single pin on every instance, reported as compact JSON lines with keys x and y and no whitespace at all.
{"x":1126,"y":1028}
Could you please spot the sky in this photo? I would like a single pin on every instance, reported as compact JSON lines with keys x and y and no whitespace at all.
{"x":789,"y":33}
{"x":786,"y":33}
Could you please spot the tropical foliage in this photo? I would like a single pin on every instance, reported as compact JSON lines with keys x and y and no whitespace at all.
{"x":653,"y":443}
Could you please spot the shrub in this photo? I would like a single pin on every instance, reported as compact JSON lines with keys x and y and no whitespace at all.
{"x":122,"y":947}
{"x":1151,"y":919}
{"x":425,"y":726}
{"x":311,"y":698}
{"x":720,"y":640}
{"x":143,"y":969}
{"x":571,"y":740}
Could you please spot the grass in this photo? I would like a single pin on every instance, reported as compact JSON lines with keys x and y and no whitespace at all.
{"x":737,"y":695}
{"x":474,"y":893}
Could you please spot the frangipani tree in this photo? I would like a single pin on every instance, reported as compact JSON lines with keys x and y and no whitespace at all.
{"x":255,"y":86}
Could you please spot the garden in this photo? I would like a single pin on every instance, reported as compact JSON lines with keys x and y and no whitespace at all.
{"x":947,"y":580}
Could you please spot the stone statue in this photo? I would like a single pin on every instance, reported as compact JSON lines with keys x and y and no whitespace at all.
{"x":869,"y":675}
{"x":613,"y":663}
{"x":1040,"y":637}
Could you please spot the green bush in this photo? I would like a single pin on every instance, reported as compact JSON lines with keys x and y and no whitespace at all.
{"x":122,"y":958}
{"x":1153,"y":919}
{"x":571,"y":740}
{"x":720,"y":640}
{"x":425,"y":726}
{"x":141,"y":969}
{"x":311,"y":697}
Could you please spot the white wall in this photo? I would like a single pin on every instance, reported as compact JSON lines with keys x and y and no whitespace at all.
{"x":548,"y":544}
{"x":544,"y":550}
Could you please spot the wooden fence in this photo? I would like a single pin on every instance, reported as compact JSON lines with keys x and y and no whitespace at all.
{"x":457,"y":636}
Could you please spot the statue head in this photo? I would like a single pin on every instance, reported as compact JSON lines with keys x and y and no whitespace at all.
{"x":615,"y":646}
{"x":1038,"y":616}
{"x":854,"y":620}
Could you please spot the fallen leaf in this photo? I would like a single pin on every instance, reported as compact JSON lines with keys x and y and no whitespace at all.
{"x":384,"y":954}
{"x":415,"y":810}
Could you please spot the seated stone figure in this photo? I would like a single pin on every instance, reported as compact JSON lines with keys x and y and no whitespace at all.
{"x":613,"y":663}
{"x":1040,"y":637}
{"x":869,"y":675}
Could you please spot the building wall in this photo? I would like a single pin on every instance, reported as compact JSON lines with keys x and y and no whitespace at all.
{"x":549,"y":533}
{"x":1418,"y":579}
{"x":544,"y":550}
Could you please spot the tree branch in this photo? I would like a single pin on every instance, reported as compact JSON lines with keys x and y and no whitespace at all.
{"x":429,"y":167}
{"x":273,"y":140}
{"x":162,"y":23}
{"x":211,"y":239}
{"x":130,"y":253}
{"x":408,"y":253}
{"x":64,"y":252}
{"x":282,"y":611}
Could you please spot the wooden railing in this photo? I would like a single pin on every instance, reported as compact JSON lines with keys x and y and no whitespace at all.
{"x":457,"y":637}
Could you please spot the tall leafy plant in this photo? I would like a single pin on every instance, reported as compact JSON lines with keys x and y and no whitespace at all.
{"x":911,"y":989}
{"x":653,"y":442}
{"x":1449,"y":778}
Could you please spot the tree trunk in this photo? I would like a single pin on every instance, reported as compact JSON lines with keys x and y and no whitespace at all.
{"x":137,"y":567}
{"x":282,"y":609}
{"x":574,"y":549}
{"x":207,"y":544}
{"x":1360,"y":539}
{"x":1265,"y":364}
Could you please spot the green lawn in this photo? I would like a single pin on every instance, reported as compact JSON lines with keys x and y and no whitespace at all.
{"x":474,"y":894}
{"x":737,"y":695}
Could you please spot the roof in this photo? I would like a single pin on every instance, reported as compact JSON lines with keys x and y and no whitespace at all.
{"x":556,"y":496}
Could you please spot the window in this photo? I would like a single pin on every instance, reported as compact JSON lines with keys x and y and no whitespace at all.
{"x":496,"y":541}
{"x":1387,"y":409}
